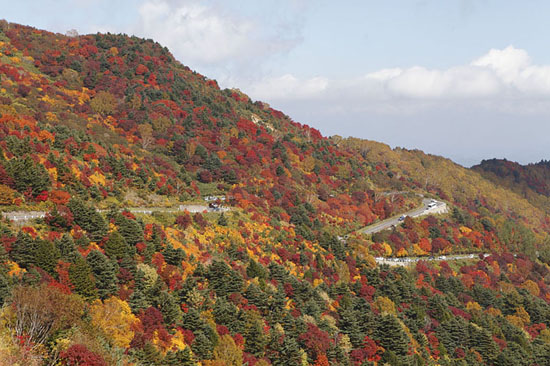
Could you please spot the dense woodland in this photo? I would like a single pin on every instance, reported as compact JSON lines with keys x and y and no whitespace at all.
{"x":109,"y":122}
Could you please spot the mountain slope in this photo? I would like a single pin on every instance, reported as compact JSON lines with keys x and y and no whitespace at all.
{"x":531,"y":181}
{"x":111,"y":122}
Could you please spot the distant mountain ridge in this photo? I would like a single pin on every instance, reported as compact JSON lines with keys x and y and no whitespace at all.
{"x":530,"y":180}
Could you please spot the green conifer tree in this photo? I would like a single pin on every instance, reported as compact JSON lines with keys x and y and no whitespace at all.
{"x":81,"y":277}
{"x":116,"y":246}
{"x":104,"y":273}
{"x":391,"y":335}
{"x":24,"y":250}
{"x":130,"y":229}
{"x":46,"y":255}
{"x":66,"y":246}
{"x":88,"y":219}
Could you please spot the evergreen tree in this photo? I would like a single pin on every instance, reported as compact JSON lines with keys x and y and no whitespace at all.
{"x":223,"y":279}
{"x":28,"y":175}
{"x":481,"y":340}
{"x":180,"y":358}
{"x":173,"y":256}
{"x":4,"y":258}
{"x":225,"y":313}
{"x":254,"y":335}
{"x":88,"y":219}
{"x":138,"y":300}
{"x":391,"y":335}
{"x":156,"y":239}
{"x":514,"y":355}
{"x":541,"y":350}
{"x":202,"y":346}
{"x":116,"y":246}
{"x":82,"y":279}
{"x":149,"y":355}
{"x":169,"y":308}
{"x":222,"y":220}
{"x":5,"y":281}
{"x":349,"y":325}
{"x":5,"y":287}
{"x":104,"y":273}
{"x":130,"y":229}
{"x":191,"y":320}
{"x":255,"y":270}
{"x":66,"y":247}
{"x":289,"y":353}
{"x":24,"y":250}
{"x":47,"y":255}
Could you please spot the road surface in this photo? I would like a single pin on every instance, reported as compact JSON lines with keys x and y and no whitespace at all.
{"x":425,"y":209}
{"x":407,"y":261}
{"x":26,"y":216}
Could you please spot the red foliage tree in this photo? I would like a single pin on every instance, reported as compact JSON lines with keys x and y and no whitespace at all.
{"x":80,"y":355}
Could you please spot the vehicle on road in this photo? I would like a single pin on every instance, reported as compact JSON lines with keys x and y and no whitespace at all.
{"x":402,"y":218}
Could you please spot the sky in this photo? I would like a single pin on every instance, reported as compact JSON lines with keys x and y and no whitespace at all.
{"x":465,"y":79}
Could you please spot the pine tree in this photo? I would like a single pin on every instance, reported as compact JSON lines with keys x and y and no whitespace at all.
{"x":289,"y":353}
{"x":173,"y":256}
{"x":222,"y":220}
{"x":82,"y":279}
{"x":104,"y":273}
{"x":47,"y":255}
{"x":225,"y":313}
{"x":350,"y":326}
{"x":255,"y":338}
{"x":28,"y":175}
{"x":255,"y":270}
{"x":138,"y":300}
{"x":24,"y":250}
{"x":88,"y":219}
{"x":4,"y":258}
{"x":5,"y":281}
{"x":66,"y":246}
{"x":191,"y":320}
{"x":5,"y":287}
{"x":156,"y":238}
{"x":223,"y":279}
{"x":169,"y":308}
{"x":180,"y":358}
{"x":116,"y":246}
{"x":481,"y":340}
{"x":391,"y":335}
{"x":202,"y":346}
{"x":129,"y":229}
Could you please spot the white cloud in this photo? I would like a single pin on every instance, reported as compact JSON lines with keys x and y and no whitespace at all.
{"x":204,"y":36}
{"x":288,"y":86}
{"x":500,"y":76}
{"x":496,"y":105}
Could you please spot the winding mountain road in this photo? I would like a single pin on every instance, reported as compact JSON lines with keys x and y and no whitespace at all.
{"x":26,"y":216}
{"x":428,"y":207}
{"x":407,"y":261}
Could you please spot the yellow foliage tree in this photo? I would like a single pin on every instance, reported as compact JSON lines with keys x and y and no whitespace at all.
{"x":161,"y":123}
{"x":387,"y":249}
{"x":402,"y":252}
{"x":104,"y":103}
{"x":227,"y":352}
{"x":384,"y":305}
{"x":7,"y":195}
{"x":146,"y":132}
{"x":473,"y":306}
{"x":114,"y":317}
{"x":532,"y":287}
